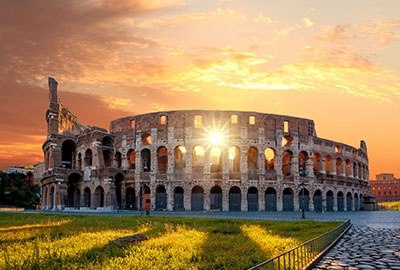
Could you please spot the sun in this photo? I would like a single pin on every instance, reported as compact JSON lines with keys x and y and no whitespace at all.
{"x":216,"y":138}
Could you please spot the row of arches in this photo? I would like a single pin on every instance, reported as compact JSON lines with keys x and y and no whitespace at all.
{"x":319,"y":164}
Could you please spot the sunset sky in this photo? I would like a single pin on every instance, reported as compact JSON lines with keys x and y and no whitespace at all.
{"x":336,"y":62}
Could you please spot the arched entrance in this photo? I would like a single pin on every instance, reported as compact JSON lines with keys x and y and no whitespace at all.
{"x":178,"y":199}
{"x":306,"y":198}
{"x":197,"y":199}
{"x":329,"y":201}
{"x":52,"y":198}
{"x":118,"y":183}
{"x":73,"y":192}
{"x":356,"y":207}
{"x":340,"y":201}
{"x":349,"y":202}
{"x":86,"y":197}
{"x":99,"y":197}
{"x":130,"y":198}
{"x":235,"y":199}
{"x":288,"y":199}
{"x":161,"y":198}
{"x":216,"y":198}
{"x":317,"y":201}
{"x":252,"y":199}
{"x":270,"y":199}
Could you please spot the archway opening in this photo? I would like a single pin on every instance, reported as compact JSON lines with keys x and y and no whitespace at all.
{"x":270,"y":199}
{"x":235,"y":197}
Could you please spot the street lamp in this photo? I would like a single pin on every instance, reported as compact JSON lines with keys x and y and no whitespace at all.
{"x":302,"y":201}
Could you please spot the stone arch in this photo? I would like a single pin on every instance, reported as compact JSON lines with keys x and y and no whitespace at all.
{"x":68,"y":150}
{"x":328,"y":164}
{"x":270,"y":199}
{"x":179,"y":199}
{"x":88,"y":157}
{"x":340,"y":201}
{"x":317,"y":198}
{"x":86,"y":197}
{"x":306,"y":198}
{"x":52,"y":197}
{"x":73,"y":190}
{"x":303,"y":157}
{"x":162,"y":159}
{"x":317,"y":162}
{"x":252,"y":199}
{"x":131,"y":156}
{"x":99,"y":197}
{"x":216,"y":198}
{"x":349,"y":201}
{"x":215,"y":159}
{"x":287,"y":163}
{"x":161,"y":198}
{"x":107,"y":155}
{"x":107,"y":141}
{"x":252,"y":158}
{"x":198,"y":156}
{"x":146,"y":159}
{"x":130,"y":202}
{"x":288,"y":199}
{"x":235,"y":200}
{"x":179,"y":154}
{"x":119,"y":177}
{"x":339,"y":166}
{"x":329,"y":201}
{"x":269,"y":158}
{"x":197,"y":198}
{"x":348,"y":167}
{"x":234,"y":159}
{"x":146,"y":139}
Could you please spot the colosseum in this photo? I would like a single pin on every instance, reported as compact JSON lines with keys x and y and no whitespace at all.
{"x":198,"y":160}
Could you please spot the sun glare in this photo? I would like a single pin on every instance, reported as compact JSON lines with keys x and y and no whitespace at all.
{"x":216,"y":138}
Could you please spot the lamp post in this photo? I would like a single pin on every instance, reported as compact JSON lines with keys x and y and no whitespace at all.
{"x":302,"y":201}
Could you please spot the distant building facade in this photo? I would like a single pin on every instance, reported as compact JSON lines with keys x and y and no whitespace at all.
{"x":38,"y":171}
{"x":386,"y":188}
{"x":170,"y":161}
{"x":20,"y":169}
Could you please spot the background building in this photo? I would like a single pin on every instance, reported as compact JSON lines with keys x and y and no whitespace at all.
{"x":198,"y":160}
{"x":386,"y":188}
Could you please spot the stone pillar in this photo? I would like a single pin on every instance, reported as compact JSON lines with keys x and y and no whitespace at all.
{"x":345,"y":201}
{"x":225,"y":198}
{"x":261,"y":199}
{"x":335,"y":204}
{"x":324,"y":204}
{"x":279,"y":196}
{"x":207,"y":197}
{"x":187,"y":198}
{"x":278,"y":165}
{"x":294,"y":166}
{"x":225,"y":163}
{"x":310,"y":168}
{"x":243,"y":194}
{"x":333,"y":167}
{"x":170,"y":197}
{"x":311,"y":201}
{"x":296,"y":200}
{"x":323,"y":168}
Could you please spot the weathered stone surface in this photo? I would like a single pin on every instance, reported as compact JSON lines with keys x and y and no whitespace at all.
{"x":131,"y":239}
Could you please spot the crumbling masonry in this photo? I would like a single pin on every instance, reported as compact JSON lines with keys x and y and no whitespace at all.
{"x":166,"y":161}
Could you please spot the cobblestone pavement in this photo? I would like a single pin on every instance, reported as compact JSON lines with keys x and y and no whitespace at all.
{"x":365,"y":248}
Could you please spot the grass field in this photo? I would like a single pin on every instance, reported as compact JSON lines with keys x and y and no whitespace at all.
{"x":391,"y":205}
{"x":40,"y":241}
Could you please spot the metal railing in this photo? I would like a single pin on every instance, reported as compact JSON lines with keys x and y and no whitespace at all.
{"x":301,"y":256}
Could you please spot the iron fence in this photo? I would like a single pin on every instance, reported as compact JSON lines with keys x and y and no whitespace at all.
{"x":302,"y":256}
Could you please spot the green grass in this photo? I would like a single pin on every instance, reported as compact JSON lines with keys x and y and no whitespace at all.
{"x":390,"y":205}
{"x":40,"y":241}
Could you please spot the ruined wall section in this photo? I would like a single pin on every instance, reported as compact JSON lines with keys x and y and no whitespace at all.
{"x":68,"y":122}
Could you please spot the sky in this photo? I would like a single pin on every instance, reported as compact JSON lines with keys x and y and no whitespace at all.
{"x":336,"y":62}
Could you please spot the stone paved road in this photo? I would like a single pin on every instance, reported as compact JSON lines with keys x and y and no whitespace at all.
{"x":365,"y":248}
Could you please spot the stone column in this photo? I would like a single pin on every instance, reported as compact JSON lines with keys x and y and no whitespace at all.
{"x":225,"y":163}
{"x":279,"y":197}
{"x":345,"y":201}
{"x":207,"y":197}
{"x":310,"y":168}
{"x":311,"y":201}
{"x":333,"y":167}
{"x":225,"y":198}
{"x":324,"y":204}
{"x":261,"y":199}
{"x":187,"y":198}
{"x":296,"y":200}
{"x":243,"y":194}
{"x":170,"y":197}
{"x":335,"y":204}
{"x":323,"y":168}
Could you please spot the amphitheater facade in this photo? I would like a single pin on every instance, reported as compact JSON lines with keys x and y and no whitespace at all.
{"x":197,"y":160}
